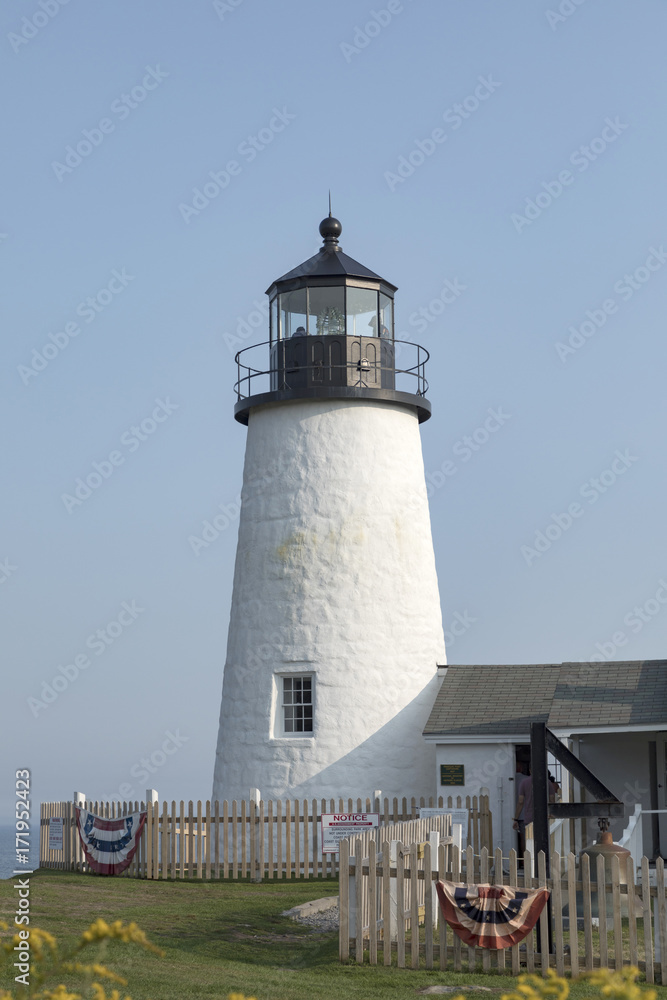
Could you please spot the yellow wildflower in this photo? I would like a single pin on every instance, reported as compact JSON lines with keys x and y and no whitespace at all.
{"x":93,"y":970}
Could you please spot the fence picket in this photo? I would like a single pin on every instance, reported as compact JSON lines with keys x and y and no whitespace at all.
{"x":588,"y":925}
{"x":297,"y":851}
{"x":269,"y":818}
{"x":191,"y":839}
{"x":499,"y":880}
{"x":208,"y":839}
{"x":648,"y":930}
{"x":288,"y":841}
{"x":344,"y":903}
{"x":528,"y":883}
{"x":156,"y":840}
{"x":428,"y":905}
{"x":514,"y":881}
{"x":400,"y":906}
{"x":662,"y":917}
{"x":470,"y":880}
{"x":235,"y":839}
{"x":372,"y":904}
{"x":632,"y":912}
{"x":198,"y":872}
{"x":164,"y":844}
{"x":602,"y":910}
{"x":544,"y":915}
{"x":306,"y":840}
{"x":618,"y":924}
{"x":252,"y":822}
{"x":149,"y":840}
{"x":225,"y":839}
{"x":572,"y":913}
{"x":279,"y":839}
{"x":387,"y":926}
{"x":244,"y":839}
{"x":216,"y":841}
{"x":456,"y":877}
{"x":414,"y":908}
{"x":358,"y":901}
{"x":557,"y":911}
{"x":262,"y":841}
{"x":442,"y":923}
{"x":484,"y":877}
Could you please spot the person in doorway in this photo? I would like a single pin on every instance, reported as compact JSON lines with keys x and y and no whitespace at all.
{"x":525,"y":800}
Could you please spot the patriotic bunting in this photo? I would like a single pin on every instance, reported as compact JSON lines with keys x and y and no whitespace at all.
{"x":490,"y":916}
{"x":109,"y":844}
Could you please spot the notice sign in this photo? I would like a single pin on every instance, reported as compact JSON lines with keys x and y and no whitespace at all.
{"x":56,"y":834}
{"x":459,"y":816}
{"x":340,"y":826}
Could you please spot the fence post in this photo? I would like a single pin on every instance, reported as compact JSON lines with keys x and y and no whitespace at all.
{"x":434,"y":842}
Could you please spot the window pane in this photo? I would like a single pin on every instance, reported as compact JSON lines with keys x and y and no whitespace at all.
{"x":274,"y":319}
{"x":362,"y":306}
{"x":326,"y":309}
{"x":386,"y":316}
{"x":293,"y":313}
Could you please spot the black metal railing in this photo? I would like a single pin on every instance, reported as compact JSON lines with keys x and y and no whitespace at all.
{"x":284,"y":372}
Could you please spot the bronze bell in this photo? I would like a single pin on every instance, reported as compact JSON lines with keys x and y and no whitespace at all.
{"x":606,"y":848}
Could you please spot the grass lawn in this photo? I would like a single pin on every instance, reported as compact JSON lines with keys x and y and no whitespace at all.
{"x":222,"y":937}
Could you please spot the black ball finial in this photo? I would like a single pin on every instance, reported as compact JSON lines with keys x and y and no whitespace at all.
{"x":330,"y":228}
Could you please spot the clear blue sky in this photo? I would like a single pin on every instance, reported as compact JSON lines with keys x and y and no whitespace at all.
{"x":566,"y":112}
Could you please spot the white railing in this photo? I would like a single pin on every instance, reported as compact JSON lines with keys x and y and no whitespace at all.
{"x":633,"y":839}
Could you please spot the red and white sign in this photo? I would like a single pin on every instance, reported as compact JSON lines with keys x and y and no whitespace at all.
{"x":340,"y":826}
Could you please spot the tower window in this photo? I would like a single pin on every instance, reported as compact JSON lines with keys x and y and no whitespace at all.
{"x":297,"y":705}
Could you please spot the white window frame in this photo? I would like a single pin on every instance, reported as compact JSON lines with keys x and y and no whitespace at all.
{"x":281,"y":705}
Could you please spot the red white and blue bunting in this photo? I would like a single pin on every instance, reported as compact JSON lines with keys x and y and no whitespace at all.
{"x":109,"y":844}
{"x":490,"y":916}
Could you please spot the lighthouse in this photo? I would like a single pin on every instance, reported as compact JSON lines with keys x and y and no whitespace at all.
{"x":335,"y":632}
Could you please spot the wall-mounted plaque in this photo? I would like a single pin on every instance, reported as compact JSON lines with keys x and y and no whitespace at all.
{"x":451,"y":774}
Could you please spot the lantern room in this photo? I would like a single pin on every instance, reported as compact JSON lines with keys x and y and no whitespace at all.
{"x":331,"y":334}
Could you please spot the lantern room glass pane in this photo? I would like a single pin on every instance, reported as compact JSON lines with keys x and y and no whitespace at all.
{"x":386,"y":316}
{"x":362,"y":312}
{"x":326,"y":311}
{"x":293,"y":313}
{"x":273,"y":335}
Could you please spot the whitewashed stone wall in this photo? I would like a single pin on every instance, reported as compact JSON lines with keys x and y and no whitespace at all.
{"x":335,"y":577}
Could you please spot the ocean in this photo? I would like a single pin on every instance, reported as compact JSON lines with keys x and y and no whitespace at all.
{"x":8,"y":850}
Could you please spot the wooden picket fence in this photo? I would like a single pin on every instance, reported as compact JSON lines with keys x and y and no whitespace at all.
{"x":359,"y":903}
{"x":239,"y":840}
{"x":630,"y":927}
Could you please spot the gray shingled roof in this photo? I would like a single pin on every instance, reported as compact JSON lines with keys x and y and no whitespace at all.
{"x":505,"y":699}
{"x":610,"y":694}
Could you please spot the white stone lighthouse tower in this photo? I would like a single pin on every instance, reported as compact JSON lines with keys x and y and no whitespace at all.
{"x":336,"y":630}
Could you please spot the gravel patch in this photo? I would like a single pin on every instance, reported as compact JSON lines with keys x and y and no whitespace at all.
{"x":323,"y":920}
